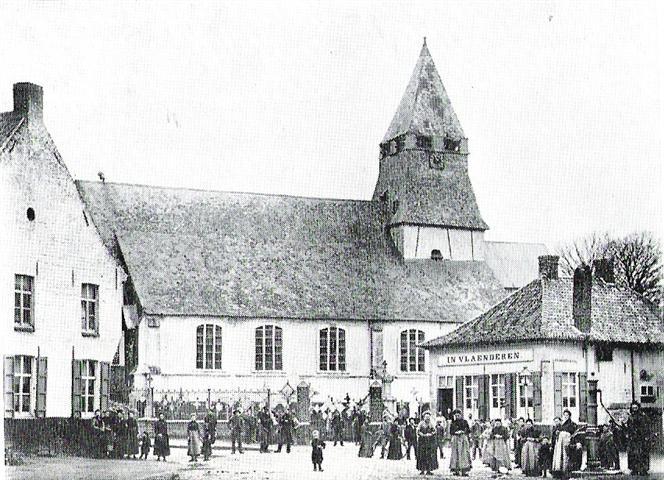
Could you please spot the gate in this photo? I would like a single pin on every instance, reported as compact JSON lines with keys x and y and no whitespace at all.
{"x":180,"y":404}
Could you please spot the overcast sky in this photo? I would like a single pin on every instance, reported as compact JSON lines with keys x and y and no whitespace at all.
{"x":561,"y":101}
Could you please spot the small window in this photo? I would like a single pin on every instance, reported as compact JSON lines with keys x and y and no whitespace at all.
{"x":425,"y":142}
{"x":22,"y":384}
{"x":436,"y":255}
{"x":90,"y":309}
{"x":88,"y":377}
{"x":452,"y":145}
{"x":412,"y":356}
{"x":648,"y":393}
{"x":208,"y":347}
{"x":400,"y":143}
{"x":23,"y":302}
{"x":30,"y":214}
{"x":569,"y":390}
{"x":604,"y":353}
{"x":384,"y":150}
{"x":498,"y":390}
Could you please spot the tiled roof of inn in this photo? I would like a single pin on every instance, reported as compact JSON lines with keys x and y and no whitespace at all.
{"x":542,"y":310}
{"x":194,"y":252}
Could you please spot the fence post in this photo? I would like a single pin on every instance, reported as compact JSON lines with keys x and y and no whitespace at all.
{"x":303,"y":413}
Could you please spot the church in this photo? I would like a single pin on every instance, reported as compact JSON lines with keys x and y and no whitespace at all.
{"x":213,"y":297}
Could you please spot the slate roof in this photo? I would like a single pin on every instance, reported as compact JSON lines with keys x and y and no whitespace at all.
{"x":425,"y":107}
{"x":542,"y":310}
{"x":514,"y":264}
{"x":9,"y":122}
{"x":193,"y":252}
{"x":429,"y":196}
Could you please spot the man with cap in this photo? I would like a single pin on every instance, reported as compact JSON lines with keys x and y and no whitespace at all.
{"x":235,"y":426}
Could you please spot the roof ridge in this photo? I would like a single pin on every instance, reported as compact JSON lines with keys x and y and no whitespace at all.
{"x":232,"y":192}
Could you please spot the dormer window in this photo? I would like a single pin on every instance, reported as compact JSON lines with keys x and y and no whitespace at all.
{"x":384,"y":150}
{"x":425,"y":142}
{"x":436,"y":255}
{"x":400,"y":143}
{"x":452,"y":145}
{"x":383,"y":196}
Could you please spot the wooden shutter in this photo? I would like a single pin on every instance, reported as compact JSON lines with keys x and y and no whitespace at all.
{"x":459,"y":393}
{"x":76,"y":367}
{"x":9,"y":386}
{"x":583,"y":397}
{"x":42,"y":371}
{"x":510,"y":394}
{"x":104,"y":382}
{"x":514,"y":394}
{"x":537,"y":396}
{"x":483,"y":397}
{"x":558,"y":394}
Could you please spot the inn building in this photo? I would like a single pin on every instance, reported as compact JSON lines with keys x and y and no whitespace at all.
{"x":532,"y":354}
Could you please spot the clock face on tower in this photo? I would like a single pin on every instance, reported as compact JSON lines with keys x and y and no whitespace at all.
{"x":437,"y":160}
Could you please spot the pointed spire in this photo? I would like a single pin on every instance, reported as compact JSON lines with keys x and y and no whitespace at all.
{"x":425,"y":108}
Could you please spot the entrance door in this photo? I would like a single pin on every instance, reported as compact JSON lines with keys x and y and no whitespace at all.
{"x":445,"y":400}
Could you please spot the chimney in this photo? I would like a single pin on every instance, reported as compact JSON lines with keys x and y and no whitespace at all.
{"x":28,"y":100}
{"x":582,"y":298}
{"x":603,"y":268}
{"x":548,"y":267}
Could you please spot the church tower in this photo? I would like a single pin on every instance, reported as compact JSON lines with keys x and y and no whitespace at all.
{"x":424,"y":174}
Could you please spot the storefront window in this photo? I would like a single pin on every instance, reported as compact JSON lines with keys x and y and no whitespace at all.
{"x":569,"y":390}
{"x":497,"y":390}
{"x":471,"y":390}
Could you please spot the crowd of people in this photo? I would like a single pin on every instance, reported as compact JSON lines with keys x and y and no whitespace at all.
{"x":500,"y":444}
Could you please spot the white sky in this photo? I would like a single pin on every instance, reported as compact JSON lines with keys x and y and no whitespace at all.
{"x":561,"y":101}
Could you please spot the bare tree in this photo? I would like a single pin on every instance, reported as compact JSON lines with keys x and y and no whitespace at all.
{"x":637,"y":259}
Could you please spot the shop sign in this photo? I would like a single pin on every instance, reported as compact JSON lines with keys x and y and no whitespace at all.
{"x":487,"y":357}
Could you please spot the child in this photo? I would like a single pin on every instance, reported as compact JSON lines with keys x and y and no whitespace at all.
{"x":317,"y":447}
{"x":206,"y":450}
{"x":544,"y":456}
{"x":144,"y":440}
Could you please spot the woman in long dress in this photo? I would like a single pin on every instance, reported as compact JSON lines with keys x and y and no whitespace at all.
{"x":132,"y":435}
{"x":394,"y":449}
{"x":497,"y":449}
{"x":427,"y":458}
{"x":530,"y":450}
{"x":460,"y":462}
{"x":560,"y":466}
{"x":639,"y":441}
{"x":162,"y":447}
{"x":194,"y":442}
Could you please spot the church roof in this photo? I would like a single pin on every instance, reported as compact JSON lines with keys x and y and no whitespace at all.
{"x":425,"y":107}
{"x":542,"y":310}
{"x":193,"y":252}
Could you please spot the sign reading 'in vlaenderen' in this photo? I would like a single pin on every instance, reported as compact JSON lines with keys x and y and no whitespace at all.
{"x":485,"y":357}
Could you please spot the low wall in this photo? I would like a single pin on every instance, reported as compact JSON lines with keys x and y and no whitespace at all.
{"x":53,"y":436}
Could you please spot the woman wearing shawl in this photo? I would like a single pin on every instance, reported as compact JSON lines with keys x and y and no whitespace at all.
{"x":560,"y":466}
{"x":498,"y":453}
{"x":161,"y":443}
{"x":460,"y":462}
{"x":394,"y":450}
{"x":194,"y":442}
{"x":427,"y":458}
{"x":529,"y":450}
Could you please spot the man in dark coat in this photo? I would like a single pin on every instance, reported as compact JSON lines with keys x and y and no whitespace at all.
{"x":162,"y":447}
{"x":235,"y":425}
{"x":265,"y":429}
{"x":211,"y":422}
{"x":410,"y":435}
{"x":638,"y":441}
{"x":132,"y":435}
{"x":119,"y":428}
{"x":287,"y":426}
{"x":337,"y":428}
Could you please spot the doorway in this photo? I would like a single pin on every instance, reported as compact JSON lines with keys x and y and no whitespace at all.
{"x":445,"y":400}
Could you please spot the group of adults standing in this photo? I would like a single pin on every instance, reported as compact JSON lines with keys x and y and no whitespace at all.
{"x":115,"y":435}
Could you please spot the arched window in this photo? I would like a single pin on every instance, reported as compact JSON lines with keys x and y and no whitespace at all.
{"x":412,"y":356}
{"x":332,"y":349}
{"x":208,"y":346}
{"x":269,"y":342}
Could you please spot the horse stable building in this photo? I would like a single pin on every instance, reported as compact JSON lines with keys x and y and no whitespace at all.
{"x":532,"y":354}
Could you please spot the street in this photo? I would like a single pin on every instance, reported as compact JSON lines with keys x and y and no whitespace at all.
{"x":339,"y":463}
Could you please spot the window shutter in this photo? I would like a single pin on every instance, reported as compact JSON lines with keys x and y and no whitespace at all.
{"x":104,"y":382}
{"x":459,"y":393}
{"x":9,"y":387}
{"x":537,"y":396}
{"x":583,"y":397}
{"x":483,"y":397}
{"x":76,"y":366}
{"x":42,"y":370}
{"x":511,"y":395}
{"x":558,"y":394}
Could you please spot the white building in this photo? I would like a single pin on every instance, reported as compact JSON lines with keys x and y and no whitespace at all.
{"x":532,"y":354}
{"x":62,"y":289}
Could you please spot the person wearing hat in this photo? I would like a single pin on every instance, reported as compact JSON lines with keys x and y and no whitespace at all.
{"x":427,"y":446}
{"x":162,"y":447}
{"x":265,"y":423}
{"x":287,"y":425}
{"x":337,"y":428}
{"x":235,"y":426}
{"x":460,"y":462}
{"x":638,"y":441}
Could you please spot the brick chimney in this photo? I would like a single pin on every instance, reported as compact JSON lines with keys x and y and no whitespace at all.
{"x":603,"y":268}
{"x":582,"y":298}
{"x":28,"y":100}
{"x":548,"y":267}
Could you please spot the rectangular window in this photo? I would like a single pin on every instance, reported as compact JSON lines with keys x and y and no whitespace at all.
{"x":498,"y":390}
{"x":648,"y":393}
{"x":471,"y":390}
{"x":23,"y":302}
{"x":23,"y":368}
{"x":332,"y":348}
{"x":424,"y":141}
{"x":90,"y":308}
{"x":446,"y":381}
{"x":604,"y":353}
{"x":569,"y":390}
{"x":208,"y":347}
{"x":88,"y":377}
{"x":525,"y":395}
{"x":268,"y":348}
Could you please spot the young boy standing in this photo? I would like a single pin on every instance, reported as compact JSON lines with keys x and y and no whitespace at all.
{"x":317,"y":446}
